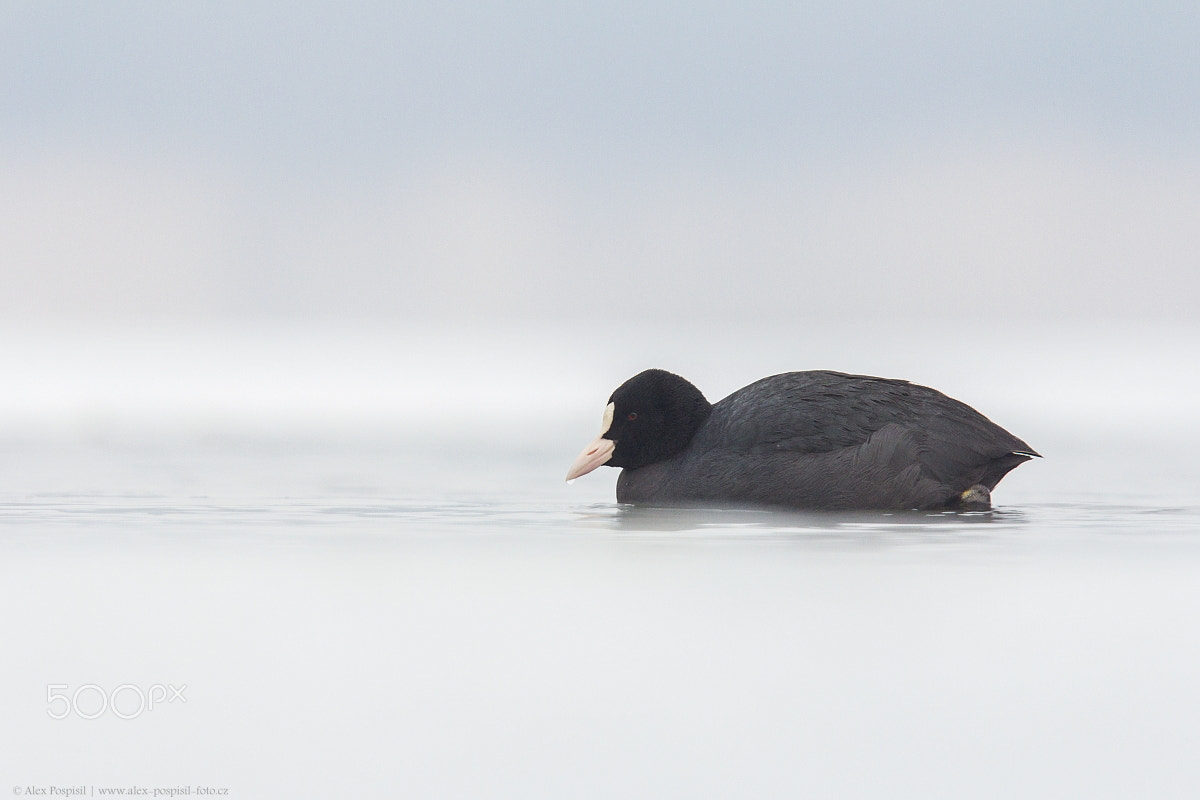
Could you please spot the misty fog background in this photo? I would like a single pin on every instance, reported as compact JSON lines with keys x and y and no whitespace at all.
{"x":282,"y":218}
{"x":640,"y":161}
{"x":305,"y":309}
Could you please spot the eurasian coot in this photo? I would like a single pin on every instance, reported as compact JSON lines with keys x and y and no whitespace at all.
{"x":808,"y":440}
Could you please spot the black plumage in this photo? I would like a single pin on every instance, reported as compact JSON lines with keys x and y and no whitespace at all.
{"x":811,"y":440}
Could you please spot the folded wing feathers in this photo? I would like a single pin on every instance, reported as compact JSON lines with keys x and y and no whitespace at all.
{"x":949,"y":440}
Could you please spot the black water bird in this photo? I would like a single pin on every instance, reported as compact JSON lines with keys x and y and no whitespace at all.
{"x":807,"y":440}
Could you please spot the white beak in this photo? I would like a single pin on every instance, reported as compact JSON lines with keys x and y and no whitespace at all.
{"x":598,"y":451}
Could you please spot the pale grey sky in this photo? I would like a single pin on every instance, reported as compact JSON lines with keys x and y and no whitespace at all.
{"x":387,"y":160}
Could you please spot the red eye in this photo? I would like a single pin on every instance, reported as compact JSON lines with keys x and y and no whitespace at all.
{"x":631,"y":416}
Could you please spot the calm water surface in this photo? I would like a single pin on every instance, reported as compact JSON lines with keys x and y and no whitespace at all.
{"x":440,"y":616}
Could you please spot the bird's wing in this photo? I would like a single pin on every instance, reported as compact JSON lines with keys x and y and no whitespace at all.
{"x":822,"y":411}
